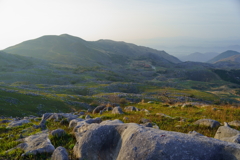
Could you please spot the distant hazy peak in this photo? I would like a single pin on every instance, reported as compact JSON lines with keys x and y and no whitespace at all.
{"x":224,"y":55}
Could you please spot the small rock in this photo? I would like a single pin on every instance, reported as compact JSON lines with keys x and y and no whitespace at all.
{"x":131,"y":108}
{"x":144,"y":120}
{"x":81,"y":113}
{"x":58,"y":132}
{"x":88,"y":117}
{"x":234,"y":123}
{"x":60,"y":153}
{"x":214,"y":109}
{"x":117,"y":110}
{"x":145,"y":110}
{"x":208,"y":123}
{"x":98,"y":109}
{"x":74,"y":122}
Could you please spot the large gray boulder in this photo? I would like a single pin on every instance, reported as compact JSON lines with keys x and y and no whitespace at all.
{"x":117,"y":110}
{"x":17,"y":123}
{"x":37,"y":144}
{"x":60,"y":153}
{"x":131,"y":141}
{"x":207,"y":122}
{"x":228,"y":134}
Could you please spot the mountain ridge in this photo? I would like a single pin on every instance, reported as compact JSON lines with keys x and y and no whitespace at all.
{"x":70,"y":49}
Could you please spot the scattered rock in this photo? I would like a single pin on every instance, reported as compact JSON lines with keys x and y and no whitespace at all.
{"x":58,"y":132}
{"x":89,"y":110}
{"x":5,"y":121}
{"x":131,"y":108}
{"x":81,"y":113}
{"x":150,"y":102}
{"x":107,"y":109}
{"x":98,"y":109}
{"x":74,"y":122}
{"x":163,"y":115}
{"x":17,"y":123}
{"x":55,"y":117}
{"x":125,"y":118}
{"x":214,"y":109}
{"x":117,"y":110}
{"x":234,"y":123}
{"x":186,"y":106}
{"x":88,"y":117}
{"x":145,"y":110}
{"x":37,"y":144}
{"x":60,"y":153}
{"x":144,"y":120}
{"x":207,"y":122}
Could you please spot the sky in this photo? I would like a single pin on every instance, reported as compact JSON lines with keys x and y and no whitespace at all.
{"x":152,"y":23}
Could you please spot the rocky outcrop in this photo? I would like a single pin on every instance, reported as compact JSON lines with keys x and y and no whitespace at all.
{"x":113,"y":140}
{"x":207,"y":122}
{"x":37,"y":144}
{"x":17,"y":123}
{"x":60,"y":153}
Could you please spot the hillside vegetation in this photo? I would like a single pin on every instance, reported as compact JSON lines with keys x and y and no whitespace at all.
{"x":72,"y":72}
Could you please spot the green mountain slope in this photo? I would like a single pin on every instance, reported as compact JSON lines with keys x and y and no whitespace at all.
{"x":223,"y":55}
{"x":62,"y":49}
{"x":73,"y":50}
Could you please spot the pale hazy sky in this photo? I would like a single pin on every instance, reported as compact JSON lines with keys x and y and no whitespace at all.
{"x":136,"y":21}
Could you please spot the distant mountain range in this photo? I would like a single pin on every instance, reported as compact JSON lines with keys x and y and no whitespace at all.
{"x":198,"y":57}
{"x":69,"y":49}
{"x":66,"y":59}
